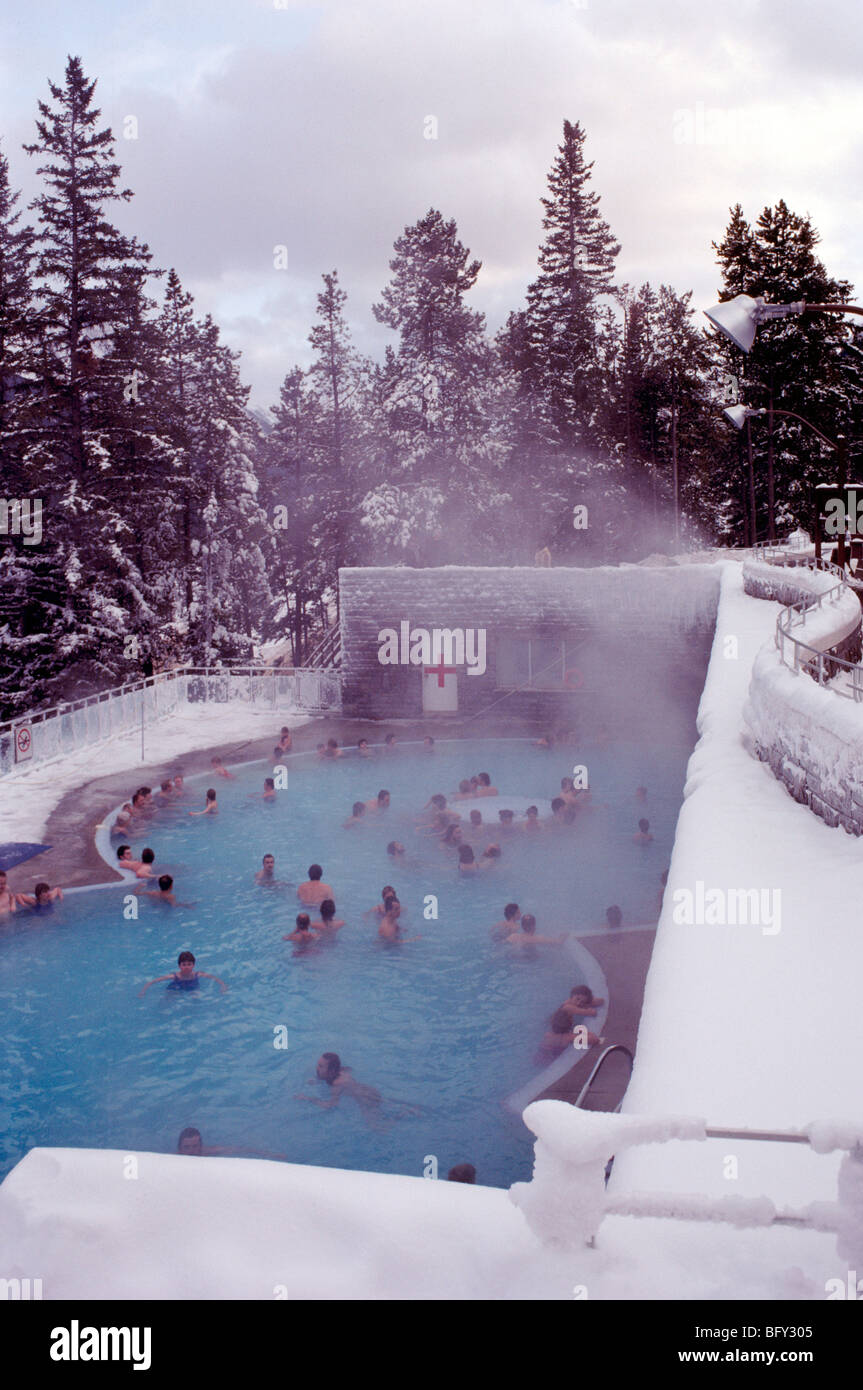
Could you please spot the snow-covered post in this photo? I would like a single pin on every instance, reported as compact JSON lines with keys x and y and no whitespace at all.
{"x":565,"y":1202}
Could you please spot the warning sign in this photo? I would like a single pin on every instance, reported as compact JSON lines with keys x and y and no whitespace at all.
{"x":23,"y":743}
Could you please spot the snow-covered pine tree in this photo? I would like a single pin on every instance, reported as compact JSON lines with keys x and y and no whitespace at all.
{"x":89,"y":452}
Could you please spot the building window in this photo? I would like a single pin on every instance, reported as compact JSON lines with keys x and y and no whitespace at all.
{"x":531,"y":663}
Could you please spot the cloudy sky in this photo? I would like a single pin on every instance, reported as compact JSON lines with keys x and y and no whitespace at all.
{"x":288,"y":122}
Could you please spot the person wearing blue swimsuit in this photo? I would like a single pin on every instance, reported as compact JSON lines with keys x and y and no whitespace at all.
{"x":187,"y":978}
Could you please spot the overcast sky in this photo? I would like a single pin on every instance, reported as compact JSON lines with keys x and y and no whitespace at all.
{"x":280,"y":122}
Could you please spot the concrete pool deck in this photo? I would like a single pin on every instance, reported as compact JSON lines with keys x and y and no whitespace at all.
{"x":73,"y":861}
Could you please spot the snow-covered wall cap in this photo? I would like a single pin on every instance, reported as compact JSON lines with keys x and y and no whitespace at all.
{"x":827,"y":1135}
{"x":587,"y":1136}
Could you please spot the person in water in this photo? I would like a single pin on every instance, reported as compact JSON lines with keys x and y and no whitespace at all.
{"x":532,"y":822}
{"x":212,"y":806}
{"x":363,"y":750}
{"x":641,"y":793}
{"x":380,"y":908}
{"x":269,"y":789}
{"x":527,"y":935}
{"x":642,"y":835}
{"x":469,"y":864}
{"x":186,"y":978}
{"x":357,"y":813}
{"x":484,"y":787}
{"x":466,"y":791}
{"x":507,"y":821}
{"x":581,"y":1002}
{"x":179,"y":785}
{"x":302,"y":936}
{"x":380,"y":802}
{"x":220,"y":770}
{"x":328,"y":921}
{"x":613,"y":916}
{"x":333,"y":750}
{"x":390,"y":928}
{"x":145,"y":869}
{"x":126,"y":860}
{"x":164,"y":893}
{"x":165,"y":794}
{"x":314,"y":890}
{"x":396,"y":849}
{"x":42,"y":899}
{"x":286,"y":741}
{"x":342,"y":1082}
{"x":561,"y":1033}
{"x":266,"y":874}
{"x":390,"y":743}
{"x":8,"y":901}
{"x":509,"y":924}
{"x":428,"y":744}
{"x":452,"y":838}
{"x":462,"y":1172}
{"x":191,"y":1144}
{"x":124,"y":820}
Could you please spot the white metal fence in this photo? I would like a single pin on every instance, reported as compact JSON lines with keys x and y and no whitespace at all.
{"x":48,"y":734}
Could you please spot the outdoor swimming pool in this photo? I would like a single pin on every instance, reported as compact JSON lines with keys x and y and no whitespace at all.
{"x":450,"y":1023}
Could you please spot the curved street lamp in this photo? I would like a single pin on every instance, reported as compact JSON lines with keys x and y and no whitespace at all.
{"x":740,"y":318}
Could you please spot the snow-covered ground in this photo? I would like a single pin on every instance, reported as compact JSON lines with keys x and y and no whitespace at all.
{"x":29,"y":794}
{"x":755,"y":1025}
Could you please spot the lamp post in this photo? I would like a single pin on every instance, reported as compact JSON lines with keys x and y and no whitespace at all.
{"x":739,"y":414}
{"x":739,"y":319}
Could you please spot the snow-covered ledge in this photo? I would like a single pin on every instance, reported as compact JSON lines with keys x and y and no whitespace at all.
{"x":811,"y":737}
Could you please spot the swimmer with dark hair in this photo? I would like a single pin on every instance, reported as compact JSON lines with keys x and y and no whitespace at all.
{"x":363,"y":749}
{"x":507,"y":821}
{"x":191,"y":1144}
{"x":42,"y":899}
{"x":342,"y":1082}
{"x":148,"y":858}
{"x":395,"y":849}
{"x":509,"y":924}
{"x":125,"y":859}
{"x":314,"y":890}
{"x":333,"y":750}
{"x":302,"y":936}
{"x":642,"y":835}
{"x":466,"y":791}
{"x":380,"y":908}
{"x":187,"y":978}
{"x":527,"y":935}
{"x":165,"y":794}
{"x":269,"y":789}
{"x":286,"y":741}
{"x":357,"y":813}
{"x":390,"y":928}
{"x":641,"y":793}
{"x":266,"y":874}
{"x":380,"y":802}
{"x":613,"y":916}
{"x":428,"y":744}
{"x":531,"y":821}
{"x":462,"y":1172}
{"x":328,"y":922}
{"x":220,"y":770}
{"x":164,"y":893}
{"x":484,"y":787}
{"x":452,"y":837}
{"x":561,"y":1033}
{"x":212,"y":806}
{"x":390,"y":743}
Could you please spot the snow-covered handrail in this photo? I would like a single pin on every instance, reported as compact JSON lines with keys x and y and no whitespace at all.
{"x":566,"y":1202}
{"x":803,"y":656}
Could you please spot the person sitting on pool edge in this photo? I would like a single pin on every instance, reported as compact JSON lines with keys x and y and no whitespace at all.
{"x":212,"y":806}
{"x":286,"y":742}
{"x":509,"y":924}
{"x":302,"y":936}
{"x":642,"y":835}
{"x":328,"y":921}
{"x":314,"y":890}
{"x":187,"y":978}
{"x":527,"y":935}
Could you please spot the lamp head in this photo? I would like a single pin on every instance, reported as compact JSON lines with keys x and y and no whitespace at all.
{"x":737,"y":319}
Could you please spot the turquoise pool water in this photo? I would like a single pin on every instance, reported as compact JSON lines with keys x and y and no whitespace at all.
{"x":449,"y":1024}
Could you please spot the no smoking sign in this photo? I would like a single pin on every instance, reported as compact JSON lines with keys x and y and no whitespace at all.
{"x":23,"y":743}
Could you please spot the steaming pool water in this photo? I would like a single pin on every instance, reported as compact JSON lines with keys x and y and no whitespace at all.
{"x":449,"y":1024}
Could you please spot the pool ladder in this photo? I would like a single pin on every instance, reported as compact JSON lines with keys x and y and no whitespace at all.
{"x":597,"y":1066}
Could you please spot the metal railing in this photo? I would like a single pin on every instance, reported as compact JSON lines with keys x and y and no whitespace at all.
{"x":328,"y":652}
{"x":76,"y":724}
{"x":816,"y":662}
{"x":614,"y":1047}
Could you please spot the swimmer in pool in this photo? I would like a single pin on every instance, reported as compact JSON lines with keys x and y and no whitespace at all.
{"x":507,"y":822}
{"x":527,"y":935}
{"x":511,"y":919}
{"x":380,"y":908}
{"x":469,"y":864}
{"x":359,"y":810}
{"x":165,"y":794}
{"x":582,"y":1003}
{"x":466,"y":791}
{"x":269,"y":789}
{"x":220,"y":770}
{"x":123,"y":821}
{"x":390,"y":928}
{"x":567,"y":791}
{"x":484,"y":787}
{"x":302,"y":936}
{"x":286,"y":741}
{"x":452,"y":838}
{"x":164,"y":893}
{"x":212,"y":806}
{"x":363,"y":750}
{"x":333,"y":750}
{"x":561,"y":1033}
{"x":179,"y":785}
{"x":314,"y":890}
{"x":428,"y":744}
{"x":390,"y":743}
{"x":321,"y":750}
{"x":380,"y":802}
{"x":531,"y":822}
{"x":642,"y":835}
{"x":191,"y":1144}
{"x":266,"y":874}
{"x":641,"y":793}
{"x":8,"y":902}
{"x":342,"y":1083}
{"x":126,"y":860}
{"x":145,"y":870}
{"x":462,"y":1172}
{"x":186,"y":978}
{"x":476,"y":822}
{"x":396,"y":849}
{"x":328,"y":921}
{"x":613,"y":916}
{"x":42,"y":899}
